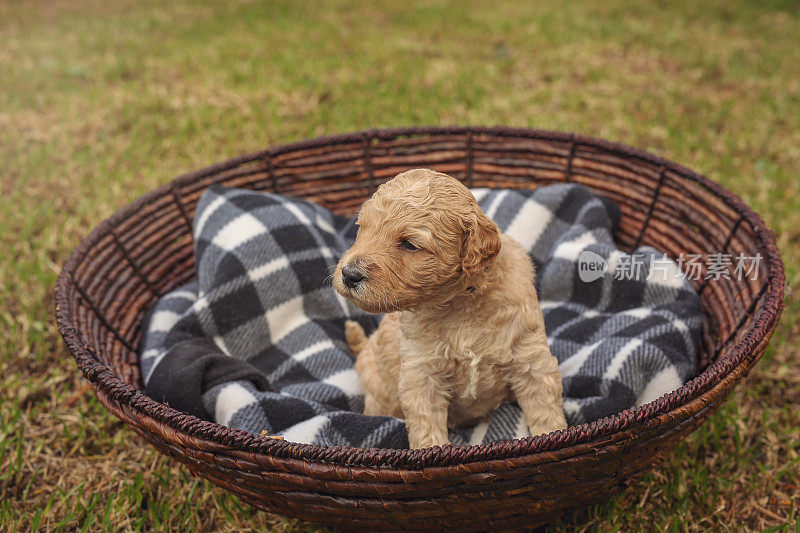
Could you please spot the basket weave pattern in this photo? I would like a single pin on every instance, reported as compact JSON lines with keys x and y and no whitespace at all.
{"x":145,"y":250}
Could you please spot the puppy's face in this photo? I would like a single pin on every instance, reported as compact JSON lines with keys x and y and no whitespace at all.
{"x":421,"y":237}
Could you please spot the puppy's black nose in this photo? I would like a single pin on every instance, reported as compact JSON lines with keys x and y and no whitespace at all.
{"x":351,"y":276}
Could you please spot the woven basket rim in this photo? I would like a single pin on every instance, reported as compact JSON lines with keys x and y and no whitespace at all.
{"x":109,"y":386}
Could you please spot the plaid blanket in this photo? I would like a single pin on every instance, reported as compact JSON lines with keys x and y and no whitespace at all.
{"x":257,"y":342}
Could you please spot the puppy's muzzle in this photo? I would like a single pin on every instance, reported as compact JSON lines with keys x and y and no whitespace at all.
{"x":352,"y":276}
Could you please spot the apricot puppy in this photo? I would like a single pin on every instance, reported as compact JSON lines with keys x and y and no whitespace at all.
{"x":463,"y":330}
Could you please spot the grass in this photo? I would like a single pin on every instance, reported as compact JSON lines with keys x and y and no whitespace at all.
{"x":102,"y":101}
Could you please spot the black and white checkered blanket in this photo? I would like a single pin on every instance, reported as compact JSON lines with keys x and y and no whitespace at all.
{"x":257,"y":342}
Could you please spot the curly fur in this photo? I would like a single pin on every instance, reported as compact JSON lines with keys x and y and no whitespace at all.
{"x":463,"y":330}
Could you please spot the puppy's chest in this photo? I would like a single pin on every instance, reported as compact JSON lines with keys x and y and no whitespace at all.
{"x":473,"y":376}
{"x":469,"y":360}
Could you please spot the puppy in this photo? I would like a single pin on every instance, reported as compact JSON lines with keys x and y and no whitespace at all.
{"x":463,"y":330}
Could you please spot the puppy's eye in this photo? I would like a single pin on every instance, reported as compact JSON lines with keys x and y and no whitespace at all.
{"x":407,"y":245}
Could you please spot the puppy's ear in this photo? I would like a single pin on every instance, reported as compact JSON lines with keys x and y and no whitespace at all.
{"x":481,"y":242}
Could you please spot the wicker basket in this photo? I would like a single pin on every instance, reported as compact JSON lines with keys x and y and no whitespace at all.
{"x":145,"y":250}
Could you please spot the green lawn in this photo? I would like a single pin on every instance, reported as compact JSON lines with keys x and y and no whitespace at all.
{"x":103,"y":101}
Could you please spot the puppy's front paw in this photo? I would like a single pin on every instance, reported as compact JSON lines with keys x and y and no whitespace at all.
{"x":427,"y":442}
{"x":553,"y":423}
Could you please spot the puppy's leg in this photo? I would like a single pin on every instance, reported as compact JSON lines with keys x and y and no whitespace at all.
{"x":536,"y":383}
{"x":425,"y":407}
